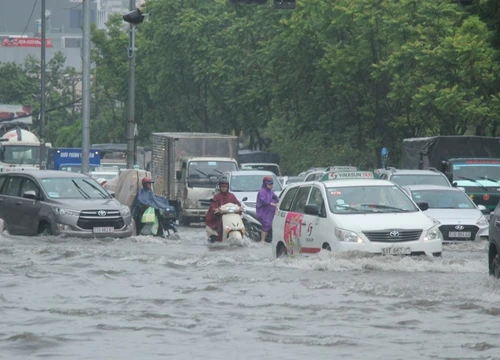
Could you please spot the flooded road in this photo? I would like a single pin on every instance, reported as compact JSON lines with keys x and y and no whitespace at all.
{"x":148,"y":298}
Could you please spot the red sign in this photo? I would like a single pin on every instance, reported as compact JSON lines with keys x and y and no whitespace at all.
{"x":26,"y":42}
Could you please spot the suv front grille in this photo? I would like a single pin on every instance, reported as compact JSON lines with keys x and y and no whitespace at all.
{"x":90,"y":219}
{"x":393,"y":236}
{"x":448,"y":230}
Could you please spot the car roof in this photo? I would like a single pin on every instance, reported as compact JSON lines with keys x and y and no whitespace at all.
{"x":346,"y":183}
{"x":49,"y":174}
{"x":430,"y":187}
{"x":250,"y":172}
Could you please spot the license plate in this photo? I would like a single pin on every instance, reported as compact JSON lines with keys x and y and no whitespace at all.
{"x":459,"y":234}
{"x":396,"y":251}
{"x":104,"y":230}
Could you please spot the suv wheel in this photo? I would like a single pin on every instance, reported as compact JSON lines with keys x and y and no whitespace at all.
{"x":44,"y":229}
{"x":495,"y":266}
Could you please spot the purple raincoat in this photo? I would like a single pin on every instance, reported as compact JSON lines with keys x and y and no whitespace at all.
{"x":265,"y":212}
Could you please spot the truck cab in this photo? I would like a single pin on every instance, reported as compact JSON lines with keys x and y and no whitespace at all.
{"x":20,"y":150}
{"x":198,"y":177}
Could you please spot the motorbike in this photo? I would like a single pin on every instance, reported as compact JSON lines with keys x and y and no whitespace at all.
{"x":253,"y":227}
{"x":232,"y":225}
{"x":166,"y":223}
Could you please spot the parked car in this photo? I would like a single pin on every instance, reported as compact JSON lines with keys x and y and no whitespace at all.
{"x":357,"y":213}
{"x":52,"y":202}
{"x":460,"y":219}
{"x":404,"y":177}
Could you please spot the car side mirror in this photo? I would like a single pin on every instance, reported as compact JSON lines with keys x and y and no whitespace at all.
{"x":30,"y":194}
{"x":178,"y":175}
{"x":484,"y":209}
{"x":423,"y":205}
{"x":111,"y":192}
{"x":311,"y":209}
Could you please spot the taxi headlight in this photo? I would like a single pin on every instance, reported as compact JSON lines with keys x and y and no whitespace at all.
{"x":482,"y":221}
{"x":347,"y":235}
{"x":433,"y":234}
{"x":124,"y":211}
{"x":69,"y":212}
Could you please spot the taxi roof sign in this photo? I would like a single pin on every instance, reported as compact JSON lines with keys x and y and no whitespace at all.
{"x":346,"y":175}
{"x":341,"y":168}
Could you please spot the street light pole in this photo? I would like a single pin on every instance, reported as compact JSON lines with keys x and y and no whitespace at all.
{"x":131,"y":94}
{"x":42,"y":92}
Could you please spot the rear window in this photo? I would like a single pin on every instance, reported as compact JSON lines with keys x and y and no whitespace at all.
{"x":412,"y":179}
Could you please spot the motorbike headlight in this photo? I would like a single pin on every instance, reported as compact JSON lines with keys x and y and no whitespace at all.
{"x":69,"y":212}
{"x":433,"y":234}
{"x":482,"y":221}
{"x":347,"y":235}
{"x":124,"y":211}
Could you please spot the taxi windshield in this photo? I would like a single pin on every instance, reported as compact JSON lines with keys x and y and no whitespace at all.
{"x":369,"y":199}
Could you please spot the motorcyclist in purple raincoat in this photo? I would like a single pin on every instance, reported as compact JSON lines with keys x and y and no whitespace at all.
{"x":267,"y":202}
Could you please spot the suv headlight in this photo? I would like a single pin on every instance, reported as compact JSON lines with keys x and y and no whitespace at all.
{"x":482,"y":221}
{"x":69,"y":212}
{"x":125,"y":211}
{"x":433,"y":234}
{"x":347,"y":235}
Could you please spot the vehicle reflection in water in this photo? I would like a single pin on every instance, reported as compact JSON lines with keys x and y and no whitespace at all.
{"x":147,"y":297}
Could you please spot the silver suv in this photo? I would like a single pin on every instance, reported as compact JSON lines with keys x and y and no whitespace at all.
{"x":52,"y":202}
{"x":405,"y":177}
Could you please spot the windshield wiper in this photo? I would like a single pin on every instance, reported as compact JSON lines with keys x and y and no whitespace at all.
{"x":347,"y":207}
{"x":376,"y":206}
{"x":490,"y":179}
{"x":84,"y":194}
{"x":477,"y":182}
{"x":201,"y":172}
{"x":95,"y":188}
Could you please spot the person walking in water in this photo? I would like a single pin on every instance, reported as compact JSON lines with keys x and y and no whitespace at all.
{"x":267,"y":203}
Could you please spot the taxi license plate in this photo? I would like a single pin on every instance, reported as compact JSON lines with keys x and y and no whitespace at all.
{"x":459,"y":234}
{"x":104,"y":230}
{"x":396,"y":251}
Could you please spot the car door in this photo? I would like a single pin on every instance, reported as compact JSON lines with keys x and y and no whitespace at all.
{"x":3,"y":209}
{"x":295,"y":233}
{"x":494,"y":228}
{"x":314,"y":232}
{"x":12,"y":210}
{"x":31,"y":208}
{"x":279,"y":221}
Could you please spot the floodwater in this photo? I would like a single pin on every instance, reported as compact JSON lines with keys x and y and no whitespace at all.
{"x":149,"y":298}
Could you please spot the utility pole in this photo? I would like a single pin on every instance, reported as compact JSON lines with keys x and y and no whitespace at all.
{"x":42,"y":92}
{"x":134,"y":17}
{"x":131,"y":94}
{"x":86,"y":88}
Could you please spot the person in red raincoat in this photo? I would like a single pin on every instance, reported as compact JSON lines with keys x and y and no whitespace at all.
{"x":213,"y":217}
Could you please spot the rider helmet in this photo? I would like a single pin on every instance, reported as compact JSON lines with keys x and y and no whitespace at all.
{"x":267,"y":180}
{"x":223,"y":180}
{"x":147,"y":180}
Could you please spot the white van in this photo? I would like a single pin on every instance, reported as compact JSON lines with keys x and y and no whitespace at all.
{"x":353,"y":211}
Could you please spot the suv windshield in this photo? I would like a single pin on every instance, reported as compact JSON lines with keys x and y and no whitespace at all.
{"x":369,"y":199}
{"x":439,"y":199}
{"x":250,"y":183}
{"x":414,"y":179}
{"x":73,"y":188}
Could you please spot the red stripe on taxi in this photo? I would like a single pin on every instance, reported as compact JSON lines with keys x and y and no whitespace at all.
{"x":310,"y":250}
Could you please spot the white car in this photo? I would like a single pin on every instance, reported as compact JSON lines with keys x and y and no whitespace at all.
{"x":247,"y":183}
{"x":353,"y":211}
{"x":460,"y":219}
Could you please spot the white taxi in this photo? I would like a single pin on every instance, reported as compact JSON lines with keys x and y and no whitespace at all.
{"x":353,"y":211}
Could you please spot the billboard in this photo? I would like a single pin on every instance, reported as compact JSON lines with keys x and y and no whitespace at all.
{"x":25,"y":42}
{"x":15,"y":113}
